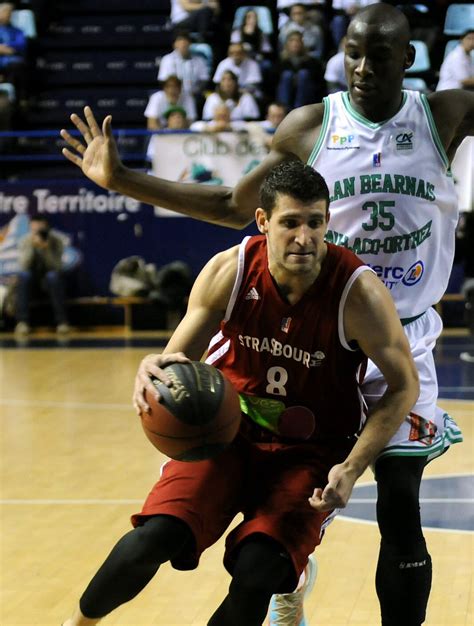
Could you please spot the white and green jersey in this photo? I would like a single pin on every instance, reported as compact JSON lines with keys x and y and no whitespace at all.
{"x":393,"y":200}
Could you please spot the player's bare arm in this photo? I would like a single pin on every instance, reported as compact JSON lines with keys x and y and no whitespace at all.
{"x":97,"y":155}
{"x":453,"y":113}
{"x":206,"y":309}
{"x":370,"y":319}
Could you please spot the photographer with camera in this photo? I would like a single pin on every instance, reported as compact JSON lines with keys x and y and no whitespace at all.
{"x":40,"y":261}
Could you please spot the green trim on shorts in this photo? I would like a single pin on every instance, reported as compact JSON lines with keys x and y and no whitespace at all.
{"x":408,"y":320}
{"x":451,"y":435}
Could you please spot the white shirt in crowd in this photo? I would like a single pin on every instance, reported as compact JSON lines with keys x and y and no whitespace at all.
{"x":455,"y":68}
{"x":248,"y":72}
{"x":158,"y":104}
{"x":335,"y":70}
{"x":245,"y":108}
{"x":344,"y":5}
{"x":202,"y":126}
{"x":192,"y":72}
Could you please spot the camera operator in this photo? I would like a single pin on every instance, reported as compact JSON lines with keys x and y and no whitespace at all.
{"x":40,"y":260}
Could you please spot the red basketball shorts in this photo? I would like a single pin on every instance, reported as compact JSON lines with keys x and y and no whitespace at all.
{"x":269,"y":483}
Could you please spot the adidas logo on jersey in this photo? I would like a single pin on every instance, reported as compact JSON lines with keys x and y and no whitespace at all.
{"x":252,"y":295}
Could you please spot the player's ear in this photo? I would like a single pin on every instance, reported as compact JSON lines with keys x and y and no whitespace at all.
{"x":261,"y":220}
{"x":409,"y":57}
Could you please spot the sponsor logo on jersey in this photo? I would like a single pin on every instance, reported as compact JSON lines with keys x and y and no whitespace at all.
{"x":414,"y":274}
{"x":404,"y":140}
{"x":286,"y":350}
{"x":392,"y":275}
{"x":421,"y":429}
{"x":343,"y":141}
{"x":252,"y":294}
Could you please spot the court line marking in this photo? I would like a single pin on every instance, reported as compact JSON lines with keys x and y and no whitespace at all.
{"x":422,"y":500}
{"x":68,"y":405}
{"x":346,"y":518}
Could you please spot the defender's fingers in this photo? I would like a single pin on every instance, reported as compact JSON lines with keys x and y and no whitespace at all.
{"x":82,"y":127}
{"x":107,"y":127}
{"x":72,"y":157}
{"x":72,"y":141}
{"x":95,"y":130}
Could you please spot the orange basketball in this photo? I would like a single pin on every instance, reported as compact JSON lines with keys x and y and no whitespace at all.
{"x":197,"y":417}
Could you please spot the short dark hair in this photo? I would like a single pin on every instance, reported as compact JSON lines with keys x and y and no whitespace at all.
{"x":295,"y":179}
{"x":39,"y":217}
{"x":182,"y":34}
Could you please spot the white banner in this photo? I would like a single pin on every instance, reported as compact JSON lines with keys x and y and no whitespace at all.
{"x":208,"y":159}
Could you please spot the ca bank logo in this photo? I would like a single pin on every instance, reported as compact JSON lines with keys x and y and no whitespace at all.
{"x":414,"y":274}
{"x":404,"y":140}
{"x":343,"y":141}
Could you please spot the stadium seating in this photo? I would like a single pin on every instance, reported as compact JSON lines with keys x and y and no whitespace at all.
{"x":204,"y":50}
{"x":114,"y":6}
{"x":97,"y":67}
{"x":459,"y":18}
{"x":109,"y":31}
{"x":422,"y":59}
{"x":24,"y":19}
{"x":415,"y":84}
{"x":264,"y":18}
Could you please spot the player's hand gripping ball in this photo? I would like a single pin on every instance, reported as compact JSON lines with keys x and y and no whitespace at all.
{"x":197,"y":417}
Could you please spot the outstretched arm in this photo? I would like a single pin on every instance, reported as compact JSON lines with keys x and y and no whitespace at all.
{"x":97,"y":155}
{"x":370,"y":318}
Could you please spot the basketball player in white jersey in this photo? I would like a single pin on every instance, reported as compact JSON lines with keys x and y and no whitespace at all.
{"x":385,"y":153}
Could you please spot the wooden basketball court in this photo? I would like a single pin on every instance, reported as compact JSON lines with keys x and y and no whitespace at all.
{"x":76,"y":464}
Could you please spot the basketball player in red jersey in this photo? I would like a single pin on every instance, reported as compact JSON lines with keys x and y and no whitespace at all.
{"x":302,"y":443}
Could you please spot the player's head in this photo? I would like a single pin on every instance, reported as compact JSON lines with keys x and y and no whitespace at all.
{"x":293,"y":214}
{"x":6,"y":10}
{"x":377,"y":53}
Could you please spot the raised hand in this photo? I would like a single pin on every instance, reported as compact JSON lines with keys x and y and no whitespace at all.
{"x":97,"y":153}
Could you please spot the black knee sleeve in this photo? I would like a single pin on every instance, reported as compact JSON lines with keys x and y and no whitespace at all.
{"x":261,"y":567}
{"x":403,"y":583}
{"x":403,"y":578}
{"x":132,"y":563}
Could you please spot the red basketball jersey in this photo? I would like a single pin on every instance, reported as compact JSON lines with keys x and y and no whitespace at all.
{"x":280,"y":355}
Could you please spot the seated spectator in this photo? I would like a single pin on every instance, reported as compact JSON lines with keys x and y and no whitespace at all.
{"x":316,"y":11}
{"x":193,"y":71}
{"x":255,"y":41}
{"x":313,"y":35}
{"x":176,"y":118}
{"x":197,"y":16}
{"x":261,"y":133}
{"x":40,"y":259}
{"x":242,"y":105}
{"x":221,"y":121}
{"x":13,"y":47}
{"x":301,"y":78}
{"x":162,"y":100}
{"x":335,"y":75}
{"x":457,"y":69}
{"x":247,"y":70}
{"x":276,"y":112}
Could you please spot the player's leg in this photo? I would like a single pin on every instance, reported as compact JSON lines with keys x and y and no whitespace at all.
{"x":261,"y":567}
{"x":403,"y":579}
{"x":130,"y":566}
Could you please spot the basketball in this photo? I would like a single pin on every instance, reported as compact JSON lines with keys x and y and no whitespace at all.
{"x":197,"y":417}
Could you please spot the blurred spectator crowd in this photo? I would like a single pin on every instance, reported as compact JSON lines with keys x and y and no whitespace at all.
{"x":226,"y":64}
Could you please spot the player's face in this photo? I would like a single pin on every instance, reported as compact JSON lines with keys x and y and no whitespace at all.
{"x":375,"y":62}
{"x":295,"y":234}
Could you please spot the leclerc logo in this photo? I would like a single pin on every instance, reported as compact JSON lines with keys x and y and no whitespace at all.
{"x":404,"y":140}
{"x":414,"y":274}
